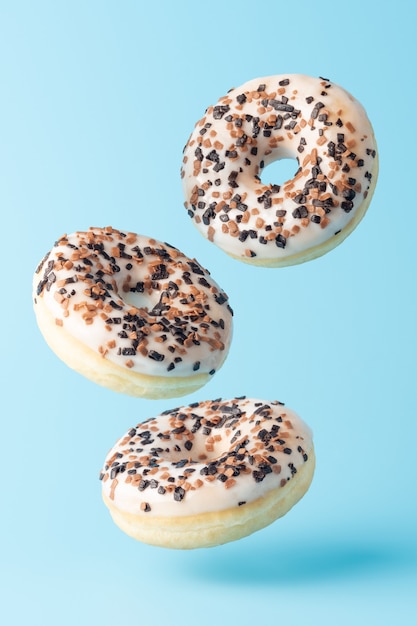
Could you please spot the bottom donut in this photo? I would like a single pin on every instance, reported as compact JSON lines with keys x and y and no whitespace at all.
{"x":208,"y":473}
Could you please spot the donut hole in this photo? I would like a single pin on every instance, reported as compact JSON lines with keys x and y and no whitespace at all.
{"x":279,"y":171}
{"x":139,"y":297}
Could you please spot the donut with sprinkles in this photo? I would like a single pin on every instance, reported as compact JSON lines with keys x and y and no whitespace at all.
{"x":311,"y":120}
{"x":132,"y":313}
{"x":208,"y":473}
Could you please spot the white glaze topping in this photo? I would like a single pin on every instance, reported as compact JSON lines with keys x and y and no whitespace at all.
{"x":309,"y":119}
{"x":136,"y":301}
{"x":205,"y":457}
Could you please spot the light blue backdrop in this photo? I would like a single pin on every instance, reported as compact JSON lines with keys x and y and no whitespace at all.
{"x":97,"y":101}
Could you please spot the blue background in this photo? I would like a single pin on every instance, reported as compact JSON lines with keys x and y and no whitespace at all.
{"x":97,"y":102}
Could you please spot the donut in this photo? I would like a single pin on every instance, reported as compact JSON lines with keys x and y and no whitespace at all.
{"x":132,"y":313}
{"x":311,"y":120}
{"x":208,"y":473}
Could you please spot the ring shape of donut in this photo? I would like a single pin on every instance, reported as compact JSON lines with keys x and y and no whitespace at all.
{"x":208,"y":473}
{"x":311,"y":120}
{"x":132,"y":313}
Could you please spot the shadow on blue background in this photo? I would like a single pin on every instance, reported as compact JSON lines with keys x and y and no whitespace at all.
{"x":303,"y":564}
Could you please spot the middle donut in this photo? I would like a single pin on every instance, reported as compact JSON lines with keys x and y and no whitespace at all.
{"x":132,"y":313}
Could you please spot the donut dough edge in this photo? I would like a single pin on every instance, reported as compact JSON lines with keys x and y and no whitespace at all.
{"x":100,"y":370}
{"x":219,"y":527}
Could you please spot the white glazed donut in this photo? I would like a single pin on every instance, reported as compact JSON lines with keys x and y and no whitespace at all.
{"x":208,"y":473}
{"x":132,"y":313}
{"x":309,"y":119}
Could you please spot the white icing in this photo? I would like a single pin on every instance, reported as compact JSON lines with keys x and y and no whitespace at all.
{"x":139,"y":466}
{"x":286,"y":116}
{"x":86,"y":282}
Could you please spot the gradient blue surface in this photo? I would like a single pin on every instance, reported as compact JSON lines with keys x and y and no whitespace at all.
{"x":98,"y":99}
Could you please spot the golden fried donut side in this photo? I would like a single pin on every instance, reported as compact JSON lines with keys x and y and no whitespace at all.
{"x":103,"y":372}
{"x":215,"y":528}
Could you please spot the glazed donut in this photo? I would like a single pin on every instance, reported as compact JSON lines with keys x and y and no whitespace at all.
{"x":132,"y":313}
{"x":308,"y":119}
{"x":208,"y":473}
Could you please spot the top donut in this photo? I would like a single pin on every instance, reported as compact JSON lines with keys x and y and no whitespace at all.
{"x":312,"y":120}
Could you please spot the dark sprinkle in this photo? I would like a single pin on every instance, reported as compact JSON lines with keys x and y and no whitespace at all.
{"x":219,"y":111}
{"x":128,"y":351}
{"x":181,"y":463}
{"x":160,"y":272}
{"x":300,"y":212}
{"x":220,"y":298}
{"x":156,"y":356}
{"x":196,"y":268}
{"x":258,"y":475}
{"x":179,"y":494}
{"x":280,"y":241}
{"x":292,"y":468}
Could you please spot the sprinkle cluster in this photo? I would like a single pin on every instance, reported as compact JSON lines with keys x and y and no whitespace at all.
{"x":138,"y":302}
{"x":312,"y":120}
{"x":229,"y":444}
